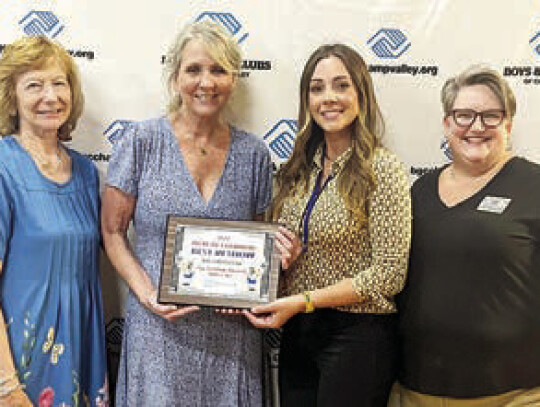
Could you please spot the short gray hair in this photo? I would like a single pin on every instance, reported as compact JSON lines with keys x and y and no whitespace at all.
{"x":219,"y":44}
{"x":479,"y":75}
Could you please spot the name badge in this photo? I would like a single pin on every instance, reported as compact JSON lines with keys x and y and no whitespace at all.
{"x":494,"y":204}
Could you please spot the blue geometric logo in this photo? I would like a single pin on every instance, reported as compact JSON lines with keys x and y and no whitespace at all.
{"x":280,"y":138}
{"x":446,"y":149}
{"x":389,"y":43}
{"x":116,"y":129}
{"x":114,"y":331}
{"x":227,"y":20}
{"x":41,"y":23}
{"x":535,"y":43}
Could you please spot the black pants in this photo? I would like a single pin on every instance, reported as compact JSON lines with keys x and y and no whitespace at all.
{"x":338,"y":359}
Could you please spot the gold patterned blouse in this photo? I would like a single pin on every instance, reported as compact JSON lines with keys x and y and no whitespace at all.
{"x":373,"y":254}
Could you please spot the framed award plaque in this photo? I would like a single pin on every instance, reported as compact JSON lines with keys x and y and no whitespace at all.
{"x":220,"y":263}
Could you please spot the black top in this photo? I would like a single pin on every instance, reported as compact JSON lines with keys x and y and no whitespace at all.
{"x":470,"y":311}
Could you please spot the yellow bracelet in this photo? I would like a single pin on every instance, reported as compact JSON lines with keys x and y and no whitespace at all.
{"x":310,"y":307}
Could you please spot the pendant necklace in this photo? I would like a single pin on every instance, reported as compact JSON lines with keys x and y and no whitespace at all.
{"x":202,"y":150}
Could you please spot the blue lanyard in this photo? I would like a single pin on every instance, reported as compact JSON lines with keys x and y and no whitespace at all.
{"x":317,"y":190}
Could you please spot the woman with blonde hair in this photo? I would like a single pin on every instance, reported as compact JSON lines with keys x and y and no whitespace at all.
{"x":192,"y":163}
{"x":52,"y":345}
{"x":344,"y":200}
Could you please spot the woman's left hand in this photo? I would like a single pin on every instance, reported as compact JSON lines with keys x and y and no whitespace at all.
{"x":289,"y":245}
{"x":275,"y":314}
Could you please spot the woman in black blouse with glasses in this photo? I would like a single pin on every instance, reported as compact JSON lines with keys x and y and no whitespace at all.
{"x":470,"y":311}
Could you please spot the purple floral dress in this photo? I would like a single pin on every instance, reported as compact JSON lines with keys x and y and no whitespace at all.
{"x":203,"y":359}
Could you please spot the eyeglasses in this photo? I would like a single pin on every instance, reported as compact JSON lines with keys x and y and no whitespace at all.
{"x":489,"y":118}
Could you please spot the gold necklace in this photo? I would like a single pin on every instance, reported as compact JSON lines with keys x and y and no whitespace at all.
{"x":202,"y":150}
{"x":185,"y":136}
{"x":48,"y":165}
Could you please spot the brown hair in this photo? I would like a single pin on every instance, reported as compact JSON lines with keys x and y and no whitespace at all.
{"x":356,"y":182}
{"x":31,"y":53}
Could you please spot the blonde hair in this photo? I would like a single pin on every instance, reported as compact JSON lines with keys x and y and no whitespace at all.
{"x":479,"y":75}
{"x":219,"y":44}
{"x":356,"y":181}
{"x":32,"y":53}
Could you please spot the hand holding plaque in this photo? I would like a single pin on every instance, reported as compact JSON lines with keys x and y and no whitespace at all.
{"x":232,"y":264}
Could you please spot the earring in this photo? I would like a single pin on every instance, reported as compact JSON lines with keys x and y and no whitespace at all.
{"x":508,"y":143}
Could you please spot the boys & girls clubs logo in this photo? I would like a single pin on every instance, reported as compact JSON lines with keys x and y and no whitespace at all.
{"x":46,"y":23}
{"x":530,"y":74}
{"x":41,"y":23}
{"x":227,"y":21}
{"x":391,"y":44}
{"x":238,"y":31}
{"x":280,"y":140}
{"x":112,"y":133}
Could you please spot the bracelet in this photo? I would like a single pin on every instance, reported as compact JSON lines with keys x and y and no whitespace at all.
{"x":310,"y":307}
{"x":7,"y":391}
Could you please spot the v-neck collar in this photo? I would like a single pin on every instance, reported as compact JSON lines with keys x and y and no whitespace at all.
{"x":206,"y":205}
{"x":474,"y":196}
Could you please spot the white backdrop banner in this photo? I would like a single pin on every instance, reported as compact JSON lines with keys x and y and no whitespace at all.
{"x":411,"y":47}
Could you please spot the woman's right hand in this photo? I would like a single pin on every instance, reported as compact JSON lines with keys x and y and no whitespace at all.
{"x":289,"y":245}
{"x":166,"y":311}
{"x":117,"y":212}
{"x":16,"y":398}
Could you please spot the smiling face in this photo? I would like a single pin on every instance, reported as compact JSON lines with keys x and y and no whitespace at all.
{"x":43,"y":99}
{"x":477,"y":145}
{"x":332,"y":98}
{"x":204,"y":86}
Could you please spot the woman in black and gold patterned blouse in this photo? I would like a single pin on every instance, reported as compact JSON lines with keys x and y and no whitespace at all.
{"x":347,"y":200}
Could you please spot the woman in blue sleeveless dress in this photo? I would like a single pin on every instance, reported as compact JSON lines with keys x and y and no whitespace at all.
{"x":193,"y":164}
{"x":52,"y":349}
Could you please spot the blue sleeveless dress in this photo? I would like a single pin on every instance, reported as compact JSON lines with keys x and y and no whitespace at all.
{"x":49,"y":286}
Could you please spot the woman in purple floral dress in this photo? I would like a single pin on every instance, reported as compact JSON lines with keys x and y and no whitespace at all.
{"x":191,"y":163}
